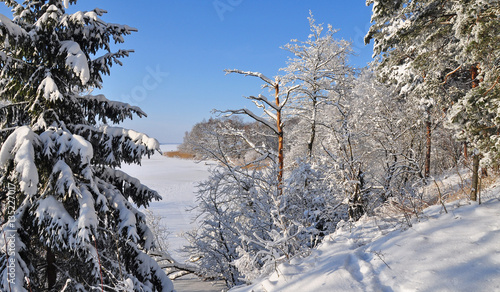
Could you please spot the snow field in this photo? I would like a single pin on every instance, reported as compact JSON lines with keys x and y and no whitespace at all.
{"x":175,"y":180}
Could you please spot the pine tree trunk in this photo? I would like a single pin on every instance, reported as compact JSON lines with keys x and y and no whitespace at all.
{"x":475,"y":177}
{"x":475,"y":158}
{"x":51,"y":269}
{"x":280,"y":140}
{"x":427,"y":167}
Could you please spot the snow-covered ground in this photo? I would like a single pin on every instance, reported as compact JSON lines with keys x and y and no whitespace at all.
{"x":457,"y":251}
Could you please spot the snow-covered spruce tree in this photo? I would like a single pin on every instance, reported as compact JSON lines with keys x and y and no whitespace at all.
{"x":70,"y":223}
{"x":447,"y":49}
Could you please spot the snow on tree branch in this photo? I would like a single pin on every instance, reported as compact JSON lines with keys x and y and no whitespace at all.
{"x":228,"y":113}
{"x":48,"y":89}
{"x":52,"y":214}
{"x":150,"y":144}
{"x":11,"y":29}
{"x":20,"y":148}
{"x":250,"y":73}
{"x":76,"y":60}
{"x":101,"y":99}
{"x":130,"y":186}
{"x":263,"y":99}
{"x":126,"y":214}
{"x":287,"y":95}
{"x":106,"y":109}
{"x":120,"y":144}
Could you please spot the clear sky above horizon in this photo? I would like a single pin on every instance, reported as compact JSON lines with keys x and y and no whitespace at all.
{"x":182,"y":47}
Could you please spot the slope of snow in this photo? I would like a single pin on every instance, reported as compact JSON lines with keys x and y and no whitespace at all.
{"x":457,"y":251}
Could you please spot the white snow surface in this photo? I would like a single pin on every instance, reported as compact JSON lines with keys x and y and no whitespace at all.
{"x":50,"y":90}
{"x":175,"y":180}
{"x":13,"y":28}
{"x":76,"y":60}
{"x":457,"y":251}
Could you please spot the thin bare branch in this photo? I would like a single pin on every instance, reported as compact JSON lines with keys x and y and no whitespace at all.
{"x":493,"y":86}
{"x":449,"y":74}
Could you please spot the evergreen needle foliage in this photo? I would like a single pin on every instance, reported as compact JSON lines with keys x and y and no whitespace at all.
{"x":75,"y":219}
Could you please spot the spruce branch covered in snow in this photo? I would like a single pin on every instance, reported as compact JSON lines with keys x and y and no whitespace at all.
{"x":77,"y":226}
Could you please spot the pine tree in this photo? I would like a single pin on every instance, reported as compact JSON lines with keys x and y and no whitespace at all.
{"x":71,"y":221}
{"x":447,"y":52}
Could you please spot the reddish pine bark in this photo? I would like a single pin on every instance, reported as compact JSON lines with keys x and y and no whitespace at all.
{"x":280,"y":140}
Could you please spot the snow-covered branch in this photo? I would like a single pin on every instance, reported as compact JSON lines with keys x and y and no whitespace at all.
{"x":250,"y":114}
{"x":255,"y":74}
{"x":129,"y":186}
{"x":287,"y":95}
{"x":263,"y":99}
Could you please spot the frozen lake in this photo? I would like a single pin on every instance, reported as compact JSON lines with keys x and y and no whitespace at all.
{"x":175,"y":180}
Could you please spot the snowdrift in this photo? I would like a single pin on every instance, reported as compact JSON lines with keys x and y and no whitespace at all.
{"x":454,"y":251}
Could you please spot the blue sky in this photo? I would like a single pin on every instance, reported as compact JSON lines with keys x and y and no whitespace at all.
{"x":182,"y":47}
